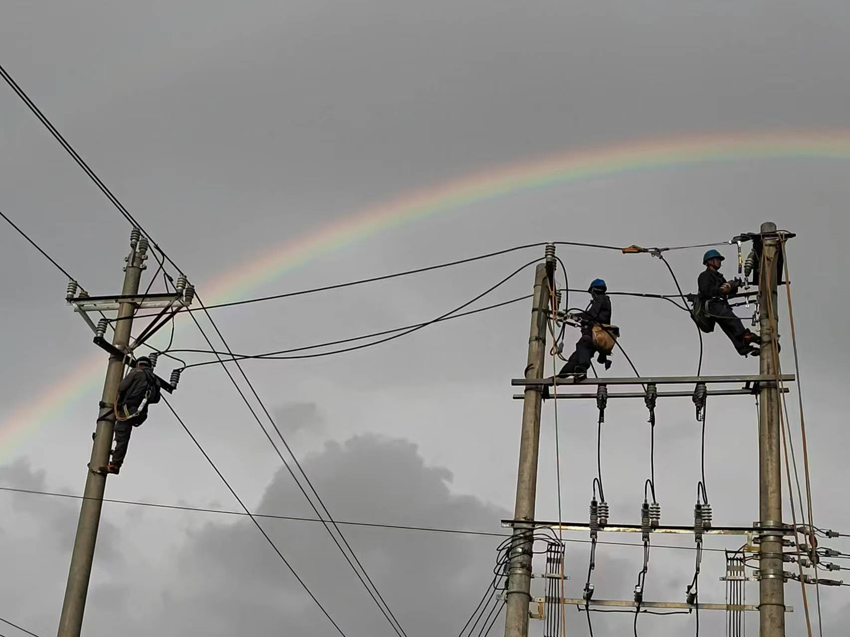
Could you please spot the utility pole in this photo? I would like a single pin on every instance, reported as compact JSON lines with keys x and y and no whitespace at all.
{"x":71,"y":622}
{"x":771,"y":574}
{"x":519,"y":573}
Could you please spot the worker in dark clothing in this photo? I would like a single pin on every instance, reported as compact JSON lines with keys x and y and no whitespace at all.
{"x":714,"y":291}
{"x":597,"y":313}
{"x":137,"y":390}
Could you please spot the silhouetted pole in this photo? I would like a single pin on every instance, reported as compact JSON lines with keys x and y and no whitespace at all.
{"x":519,"y":573}
{"x":71,"y":621}
{"x":771,"y":574}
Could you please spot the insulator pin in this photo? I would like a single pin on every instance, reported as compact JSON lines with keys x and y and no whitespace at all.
{"x":180,"y":284}
{"x":558,"y":296}
{"x":550,"y":254}
{"x":71,"y":290}
{"x":188,"y":294}
{"x":602,"y":512}
{"x":594,"y":516}
{"x":654,"y":514}
{"x":706,"y":515}
{"x":750,"y":264}
{"x":699,"y":398}
{"x":645,"y":526}
{"x":154,"y":357}
{"x":143,"y":246}
{"x":175,"y":376}
{"x":651,"y":399}
{"x":602,"y":401}
{"x":135,"y":235}
{"x":102,"y":324}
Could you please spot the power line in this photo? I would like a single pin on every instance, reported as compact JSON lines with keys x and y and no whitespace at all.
{"x":35,"y":245}
{"x":374,"y":279}
{"x":126,"y":214}
{"x":253,"y":518}
{"x":80,"y":161}
{"x":275,"y":354}
{"x":290,"y":518}
{"x":278,"y":354}
{"x":23,"y":630}
{"x":387,"y":613}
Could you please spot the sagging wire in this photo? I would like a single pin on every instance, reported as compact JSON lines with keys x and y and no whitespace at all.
{"x":598,"y":508}
{"x":650,"y":512}
{"x":490,"y":605}
{"x":557,"y":348}
{"x":784,"y":254}
{"x":702,"y":509}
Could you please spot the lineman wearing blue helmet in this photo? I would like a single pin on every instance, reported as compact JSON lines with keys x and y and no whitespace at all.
{"x":714,"y":291}
{"x":597,"y":313}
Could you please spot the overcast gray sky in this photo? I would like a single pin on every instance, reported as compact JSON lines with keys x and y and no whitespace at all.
{"x":229,"y":128}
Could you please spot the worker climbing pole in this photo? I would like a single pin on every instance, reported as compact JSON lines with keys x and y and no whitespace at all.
{"x":130,"y":397}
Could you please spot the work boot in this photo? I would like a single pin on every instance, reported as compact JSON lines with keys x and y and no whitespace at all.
{"x":750,"y":338}
{"x":113,"y":468}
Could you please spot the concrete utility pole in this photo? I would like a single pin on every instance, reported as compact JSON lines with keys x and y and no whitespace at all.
{"x":519,"y":574}
{"x":71,"y":622}
{"x":772,"y":577}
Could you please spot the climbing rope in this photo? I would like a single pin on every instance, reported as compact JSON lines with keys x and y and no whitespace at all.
{"x":802,"y":415}
{"x":785,"y":430}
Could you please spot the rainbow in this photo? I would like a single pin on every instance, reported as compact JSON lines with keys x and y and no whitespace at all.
{"x":571,"y":166}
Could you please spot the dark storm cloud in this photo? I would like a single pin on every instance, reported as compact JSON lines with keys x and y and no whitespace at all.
{"x":230,"y":128}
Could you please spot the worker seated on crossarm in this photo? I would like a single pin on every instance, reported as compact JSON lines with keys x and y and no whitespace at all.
{"x":597,"y":316}
{"x":714,"y":291}
{"x":137,"y":391}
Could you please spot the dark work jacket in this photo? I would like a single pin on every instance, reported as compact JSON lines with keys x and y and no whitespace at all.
{"x":710,"y":282}
{"x":134,"y":386}
{"x":598,"y":311}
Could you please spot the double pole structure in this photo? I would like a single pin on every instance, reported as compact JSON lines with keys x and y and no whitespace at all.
{"x":771,"y":607}
{"x":71,"y":621}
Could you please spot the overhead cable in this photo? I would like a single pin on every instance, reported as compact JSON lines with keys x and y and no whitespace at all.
{"x":23,"y":630}
{"x":37,"y":247}
{"x":276,"y":355}
{"x":254,"y":519}
{"x":802,"y":412}
{"x":376,"y":595}
{"x":80,"y":161}
{"x":126,"y":214}
{"x":290,"y":518}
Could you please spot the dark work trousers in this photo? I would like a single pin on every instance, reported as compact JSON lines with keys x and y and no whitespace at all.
{"x":579,"y":361}
{"x":725,"y":317}
{"x":121,"y":432}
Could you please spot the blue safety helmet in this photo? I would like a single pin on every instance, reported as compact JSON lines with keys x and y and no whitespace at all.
{"x":712,"y":254}
{"x":598,"y":284}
